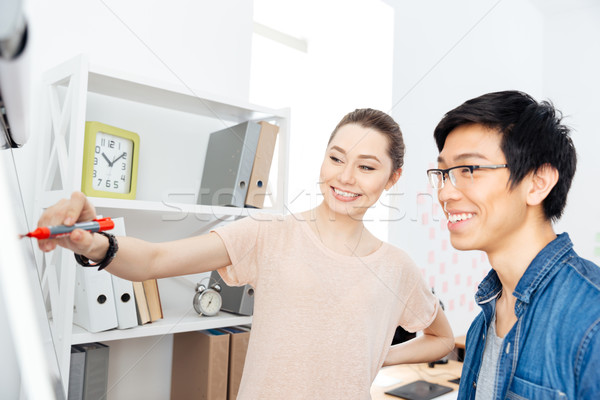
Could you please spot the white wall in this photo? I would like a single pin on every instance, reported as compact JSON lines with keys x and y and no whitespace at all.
{"x":348,"y":65}
{"x":205,"y":45}
{"x":448,"y":52}
{"x":571,"y":81}
{"x":445,"y":53}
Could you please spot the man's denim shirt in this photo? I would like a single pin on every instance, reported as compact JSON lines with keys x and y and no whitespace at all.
{"x":553,"y":350}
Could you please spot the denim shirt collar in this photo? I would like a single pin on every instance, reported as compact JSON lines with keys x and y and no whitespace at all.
{"x":543,"y":266}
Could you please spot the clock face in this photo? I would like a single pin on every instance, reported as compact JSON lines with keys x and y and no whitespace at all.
{"x":113,"y":161}
{"x":208,"y":302}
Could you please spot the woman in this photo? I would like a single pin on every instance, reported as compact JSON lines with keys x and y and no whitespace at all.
{"x":329,"y":294}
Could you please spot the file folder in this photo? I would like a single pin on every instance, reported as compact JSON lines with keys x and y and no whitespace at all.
{"x":95,"y":380}
{"x":94,"y":300}
{"x":76,"y":373}
{"x":123,"y":289}
{"x":238,"y":347}
{"x":200,"y":361}
{"x":257,"y":188}
{"x":228,"y":165}
{"x":236,"y":299}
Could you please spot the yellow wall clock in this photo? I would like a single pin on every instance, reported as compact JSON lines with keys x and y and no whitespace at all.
{"x":110,"y":161}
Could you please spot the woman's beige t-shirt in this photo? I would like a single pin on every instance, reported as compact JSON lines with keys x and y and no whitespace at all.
{"x":323,"y":322}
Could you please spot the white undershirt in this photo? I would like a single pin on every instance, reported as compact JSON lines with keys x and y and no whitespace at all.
{"x":487,"y":372}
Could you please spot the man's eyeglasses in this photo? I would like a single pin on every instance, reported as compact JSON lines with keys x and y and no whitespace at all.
{"x":460,"y":176}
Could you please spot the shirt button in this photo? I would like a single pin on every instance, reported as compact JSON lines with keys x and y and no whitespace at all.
{"x":474,"y":385}
{"x":507,"y":347}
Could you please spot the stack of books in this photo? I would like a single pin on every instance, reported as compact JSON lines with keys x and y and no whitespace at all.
{"x":147,"y":299}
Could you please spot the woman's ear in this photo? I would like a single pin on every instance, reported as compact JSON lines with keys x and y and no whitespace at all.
{"x":393,"y":179}
{"x":542,"y":182}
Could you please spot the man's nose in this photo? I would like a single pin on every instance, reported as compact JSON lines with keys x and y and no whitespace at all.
{"x":448,"y":191}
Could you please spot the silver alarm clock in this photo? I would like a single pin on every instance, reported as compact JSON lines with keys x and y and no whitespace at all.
{"x":207,"y":301}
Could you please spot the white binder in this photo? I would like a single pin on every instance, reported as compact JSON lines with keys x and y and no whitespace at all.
{"x":123,"y":289}
{"x":94,"y":300}
{"x":124,"y":303}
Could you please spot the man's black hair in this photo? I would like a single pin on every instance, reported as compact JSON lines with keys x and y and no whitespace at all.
{"x":532,"y":136}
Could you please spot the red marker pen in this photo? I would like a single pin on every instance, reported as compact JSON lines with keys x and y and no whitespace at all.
{"x":51,"y":232}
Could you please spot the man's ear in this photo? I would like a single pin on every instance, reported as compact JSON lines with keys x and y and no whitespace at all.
{"x":542,"y":182}
{"x":393,"y":179}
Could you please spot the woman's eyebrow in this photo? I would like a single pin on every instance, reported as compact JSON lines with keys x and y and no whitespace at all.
{"x":365,"y":156}
{"x":338,"y":148}
{"x":368,"y":156}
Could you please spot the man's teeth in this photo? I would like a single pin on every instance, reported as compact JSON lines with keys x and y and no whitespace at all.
{"x":459,"y":217}
{"x":345,"y":194}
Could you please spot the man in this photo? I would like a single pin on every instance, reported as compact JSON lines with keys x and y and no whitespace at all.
{"x":505,"y":167}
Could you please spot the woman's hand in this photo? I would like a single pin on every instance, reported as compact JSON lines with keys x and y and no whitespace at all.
{"x":68,"y":212}
{"x":436,"y":342}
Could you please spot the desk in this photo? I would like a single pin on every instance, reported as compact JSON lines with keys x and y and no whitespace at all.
{"x":440,"y":374}
{"x":459,"y":341}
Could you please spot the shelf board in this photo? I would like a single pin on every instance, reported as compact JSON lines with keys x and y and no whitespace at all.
{"x":174,"y":96}
{"x":172,"y":210}
{"x":183,"y":322}
{"x":159,"y":221}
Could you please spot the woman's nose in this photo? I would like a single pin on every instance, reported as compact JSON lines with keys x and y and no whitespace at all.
{"x":347,"y":174}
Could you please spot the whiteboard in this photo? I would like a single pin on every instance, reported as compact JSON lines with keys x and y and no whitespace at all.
{"x":28,"y":366}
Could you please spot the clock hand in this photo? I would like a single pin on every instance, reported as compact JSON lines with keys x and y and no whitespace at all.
{"x":110,"y":164}
{"x":116,"y":159}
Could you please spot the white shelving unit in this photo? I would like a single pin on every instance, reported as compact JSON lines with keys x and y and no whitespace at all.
{"x":174,"y":123}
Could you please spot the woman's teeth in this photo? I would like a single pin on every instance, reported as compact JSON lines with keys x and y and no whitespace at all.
{"x":345,"y":194}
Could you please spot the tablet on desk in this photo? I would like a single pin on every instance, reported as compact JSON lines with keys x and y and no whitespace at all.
{"x":419,"y":390}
